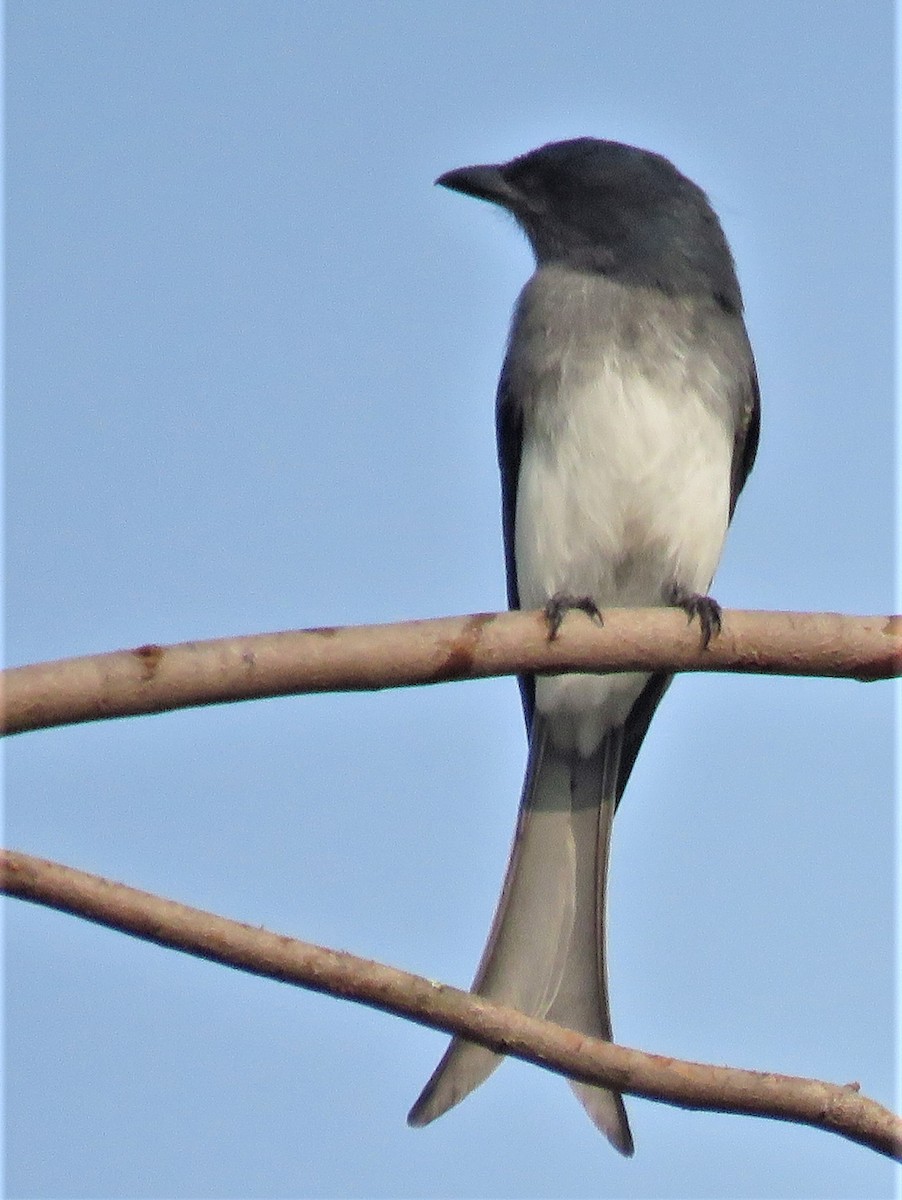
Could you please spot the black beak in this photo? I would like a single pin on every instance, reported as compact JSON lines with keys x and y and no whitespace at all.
{"x":486,"y":183}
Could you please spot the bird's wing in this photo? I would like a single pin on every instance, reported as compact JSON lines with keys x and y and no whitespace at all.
{"x":748,"y":427}
{"x":509,"y":433}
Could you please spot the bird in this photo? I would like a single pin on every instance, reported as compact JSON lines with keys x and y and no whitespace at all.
{"x":627,"y":419}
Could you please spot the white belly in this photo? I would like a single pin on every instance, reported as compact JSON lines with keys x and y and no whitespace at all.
{"x":622,"y":493}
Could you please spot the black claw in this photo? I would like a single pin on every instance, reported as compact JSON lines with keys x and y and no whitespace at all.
{"x":695,"y":605}
{"x":560,"y":604}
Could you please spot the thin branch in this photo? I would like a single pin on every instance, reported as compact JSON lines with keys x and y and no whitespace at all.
{"x":837,"y":1109}
{"x":364,"y":658}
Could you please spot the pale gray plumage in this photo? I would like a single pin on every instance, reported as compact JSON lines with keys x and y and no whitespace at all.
{"x":627,"y":422}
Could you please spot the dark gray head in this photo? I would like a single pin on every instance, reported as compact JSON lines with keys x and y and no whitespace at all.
{"x":605,"y":207}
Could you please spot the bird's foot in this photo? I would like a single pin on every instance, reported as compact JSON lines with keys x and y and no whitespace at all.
{"x":560,"y":604}
{"x":695,"y":605}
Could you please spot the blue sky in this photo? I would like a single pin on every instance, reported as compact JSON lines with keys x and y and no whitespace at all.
{"x":251,"y":360}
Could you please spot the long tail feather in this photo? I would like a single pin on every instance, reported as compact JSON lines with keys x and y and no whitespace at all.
{"x":545,"y":952}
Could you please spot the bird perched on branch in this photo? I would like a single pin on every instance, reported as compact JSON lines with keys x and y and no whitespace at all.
{"x":627,"y":420}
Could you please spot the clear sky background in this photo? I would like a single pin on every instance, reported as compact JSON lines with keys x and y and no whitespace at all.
{"x":252,"y":355}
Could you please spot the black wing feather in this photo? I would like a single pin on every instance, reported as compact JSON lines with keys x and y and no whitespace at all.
{"x":509,"y":433}
{"x":745,"y":439}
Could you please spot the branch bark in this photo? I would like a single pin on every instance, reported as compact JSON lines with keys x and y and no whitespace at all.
{"x":835,"y":1108}
{"x":155,"y":678}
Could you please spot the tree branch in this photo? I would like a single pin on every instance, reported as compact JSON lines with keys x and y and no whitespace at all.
{"x":156,"y":678}
{"x":837,"y":1109}
{"x":368,"y":657}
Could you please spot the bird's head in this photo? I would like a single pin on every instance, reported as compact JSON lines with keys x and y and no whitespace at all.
{"x":606,"y":207}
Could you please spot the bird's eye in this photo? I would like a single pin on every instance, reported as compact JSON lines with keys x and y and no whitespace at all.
{"x":529,"y":181}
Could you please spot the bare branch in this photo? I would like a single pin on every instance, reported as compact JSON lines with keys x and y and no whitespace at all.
{"x":837,"y":1109}
{"x":365,"y":658}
